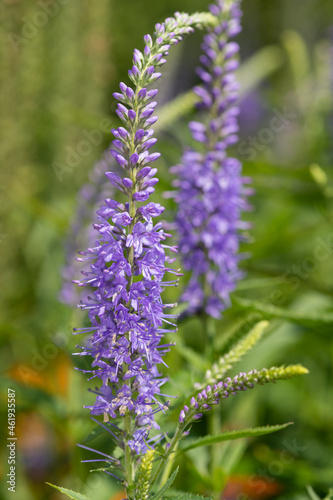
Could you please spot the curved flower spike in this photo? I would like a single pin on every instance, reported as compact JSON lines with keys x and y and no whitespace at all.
{"x":129,"y":262}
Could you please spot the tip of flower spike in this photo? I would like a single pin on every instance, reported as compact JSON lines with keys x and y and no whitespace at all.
{"x":300,"y":370}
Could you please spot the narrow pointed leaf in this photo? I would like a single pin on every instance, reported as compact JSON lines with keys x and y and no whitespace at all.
{"x":167,"y":485}
{"x":70,"y":493}
{"x":318,"y":318}
{"x":312,"y":494}
{"x":191,"y":356}
{"x":230,"y":435}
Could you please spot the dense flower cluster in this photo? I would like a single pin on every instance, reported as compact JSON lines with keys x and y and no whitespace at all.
{"x":128,"y":261}
{"x":210,"y":189}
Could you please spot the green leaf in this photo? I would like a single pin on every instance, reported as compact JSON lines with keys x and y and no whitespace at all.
{"x":319,"y":318}
{"x":96,"y":431}
{"x":70,"y":493}
{"x":191,"y":356}
{"x":250,"y":284}
{"x":230,"y":435}
{"x":231,"y":455}
{"x":312,"y":494}
{"x":258,"y":67}
{"x":179,"y":107}
{"x":167,"y":485}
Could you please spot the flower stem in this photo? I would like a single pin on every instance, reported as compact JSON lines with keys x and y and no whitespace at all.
{"x":214,"y":417}
{"x":128,"y":454}
{"x":168,"y":466}
{"x":162,"y":463}
{"x":214,"y":424}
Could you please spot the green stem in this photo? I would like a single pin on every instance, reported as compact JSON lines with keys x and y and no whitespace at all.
{"x":168,"y":466}
{"x":214,"y":416}
{"x":199,"y":20}
{"x":162,"y":463}
{"x":214,"y":424}
{"x":128,"y":454}
{"x":208,"y":335}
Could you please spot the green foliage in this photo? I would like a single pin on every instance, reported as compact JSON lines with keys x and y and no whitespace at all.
{"x":191,"y":356}
{"x":231,"y":435}
{"x":313,"y":495}
{"x":313,"y":319}
{"x":95,"y":432}
{"x":166,"y":486}
{"x":226,"y":362}
{"x":70,"y":493}
{"x":61,"y":82}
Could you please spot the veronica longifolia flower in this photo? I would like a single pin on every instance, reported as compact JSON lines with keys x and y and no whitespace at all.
{"x":211,"y":193}
{"x":129,"y":261}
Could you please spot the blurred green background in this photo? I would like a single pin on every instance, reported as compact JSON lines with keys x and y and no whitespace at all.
{"x":60,"y":61}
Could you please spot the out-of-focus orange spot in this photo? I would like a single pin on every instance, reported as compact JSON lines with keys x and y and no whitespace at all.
{"x":27,"y":376}
{"x":254,"y":487}
{"x":63,"y":368}
{"x":121,"y":495}
{"x":53,"y":379}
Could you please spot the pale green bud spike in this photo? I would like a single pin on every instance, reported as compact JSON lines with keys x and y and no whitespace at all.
{"x":143,"y":476}
{"x":226,"y":362}
{"x":204,"y":19}
{"x":276,"y":373}
{"x":210,"y":396}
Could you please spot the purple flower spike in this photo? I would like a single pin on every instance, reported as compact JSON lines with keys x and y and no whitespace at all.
{"x":210,"y":190}
{"x":128,"y":261}
{"x":245,"y":380}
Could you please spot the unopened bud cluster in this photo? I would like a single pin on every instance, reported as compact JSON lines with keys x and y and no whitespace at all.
{"x":231,"y":386}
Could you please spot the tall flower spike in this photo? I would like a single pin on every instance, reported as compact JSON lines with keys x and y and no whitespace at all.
{"x":128,"y":260}
{"x":210,"y":189}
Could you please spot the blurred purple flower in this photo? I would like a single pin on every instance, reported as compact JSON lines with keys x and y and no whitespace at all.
{"x":210,"y":188}
{"x":81,"y":233}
